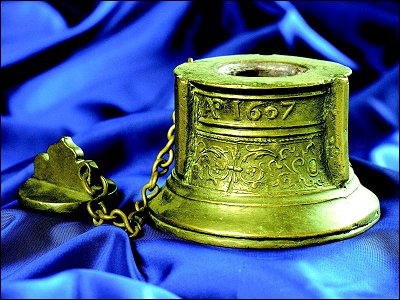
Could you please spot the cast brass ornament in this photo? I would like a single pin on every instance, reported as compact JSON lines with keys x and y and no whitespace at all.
{"x":262,"y":155}
{"x":63,"y":180}
{"x":261,"y":160}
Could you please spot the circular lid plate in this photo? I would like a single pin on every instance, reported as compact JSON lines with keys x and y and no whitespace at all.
{"x":254,"y":71}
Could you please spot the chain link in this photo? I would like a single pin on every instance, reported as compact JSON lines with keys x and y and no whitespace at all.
{"x":134,"y":221}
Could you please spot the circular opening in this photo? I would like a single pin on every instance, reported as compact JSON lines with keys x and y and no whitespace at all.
{"x":262,"y":69}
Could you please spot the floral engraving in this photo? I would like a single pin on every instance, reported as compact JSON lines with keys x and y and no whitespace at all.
{"x":240,"y":167}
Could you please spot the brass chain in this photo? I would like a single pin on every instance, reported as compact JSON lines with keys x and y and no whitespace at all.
{"x":132,"y":223}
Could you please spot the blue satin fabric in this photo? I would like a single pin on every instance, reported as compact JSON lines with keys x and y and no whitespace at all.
{"x":101,"y":72}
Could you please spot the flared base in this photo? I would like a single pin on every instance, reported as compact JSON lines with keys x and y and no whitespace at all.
{"x":255,"y":221}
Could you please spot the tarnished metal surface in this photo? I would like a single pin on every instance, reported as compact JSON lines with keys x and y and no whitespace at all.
{"x":64,"y":181}
{"x":261,"y":160}
{"x":262,"y":155}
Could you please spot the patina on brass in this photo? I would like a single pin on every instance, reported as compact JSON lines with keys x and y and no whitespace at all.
{"x":63,"y":180}
{"x":262,"y":155}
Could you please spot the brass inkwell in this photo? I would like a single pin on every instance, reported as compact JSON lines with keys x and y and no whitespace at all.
{"x":261,"y":156}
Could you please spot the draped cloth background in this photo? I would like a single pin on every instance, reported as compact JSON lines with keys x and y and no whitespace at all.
{"x":102,"y":73}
